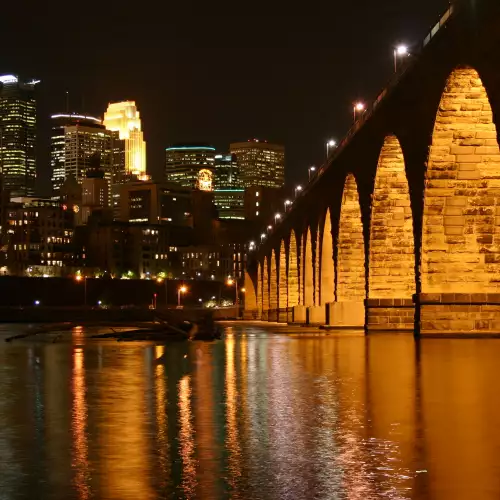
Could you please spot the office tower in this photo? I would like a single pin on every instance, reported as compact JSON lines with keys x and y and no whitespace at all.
{"x":123,"y":117}
{"x":229,"y":193}
{"x":261,"y":163}
{"x":59,"y":122}
{"x":18,"y":134}
{"x":191,"y":165}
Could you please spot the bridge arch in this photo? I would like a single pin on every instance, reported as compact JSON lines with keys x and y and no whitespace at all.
{"x":460,"y":251}
{"x":282,"y":278}
{"x":273,"y":283}
{"x":293,"y":282}
{"x":351,"y":284}
{"x":327,"y":280}
{"x":265,"y":288}
{"x":391,"y":264}
{"x":308,"y":270}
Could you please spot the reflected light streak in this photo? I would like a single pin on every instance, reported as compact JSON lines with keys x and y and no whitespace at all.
{"x":163,"y":447}
{"x":232,"y":438}
{"x":78,"y":426}
{"x":186,"y":442}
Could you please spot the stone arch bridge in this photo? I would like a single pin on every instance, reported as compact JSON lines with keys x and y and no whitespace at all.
{"x":400,"y":230}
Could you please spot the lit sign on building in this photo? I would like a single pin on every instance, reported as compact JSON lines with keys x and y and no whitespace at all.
{"x":205,"y":180}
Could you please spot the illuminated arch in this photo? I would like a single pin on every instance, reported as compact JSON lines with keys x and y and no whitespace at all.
{"x":265,"y":286}
{"x":461,"y":237}
{"x":273,"y":283}
{"x":293,"y":282}
{"x":250,"y":294}
{"x":327,"y":289}
{"x":308,"y":269}
{"x":259,"y":289}
{"x":316,"y":271}
{"x":283,"y":278}
{"x":392,"y":252}
{"x":351,"y":251}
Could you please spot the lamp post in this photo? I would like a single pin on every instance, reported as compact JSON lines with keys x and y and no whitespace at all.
{"x":181,"y":289}
{"x":311,"y":169}
{"x":277,"y":217}
{"x":161,"y":280}
{"x":358,"y":107}
{"x":262,"y":237}
{"x":287,"y":203}
{"x":330,"y":144}
{"x":399,"y":51}
{"x":298,"y":189}
{"x":230,"y":282}
{"x":80,"y":278}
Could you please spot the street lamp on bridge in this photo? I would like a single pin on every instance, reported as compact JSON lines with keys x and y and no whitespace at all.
{"x":399,"y":51}
{"x":311,"y":169}
{"x":359,"y":107}
{"x":329,"y":145}
{"x":298,"y":189}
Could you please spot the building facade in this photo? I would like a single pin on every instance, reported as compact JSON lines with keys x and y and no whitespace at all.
{"x":261,"y":163}
{"x":228,"y":193}
{"x":59,"y":124}
{"x":123,"y":117}
{"x":191,"y":165}
{"x":18,"y":134}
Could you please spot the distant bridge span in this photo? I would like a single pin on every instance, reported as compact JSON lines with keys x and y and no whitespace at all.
{"x":400,"y":230}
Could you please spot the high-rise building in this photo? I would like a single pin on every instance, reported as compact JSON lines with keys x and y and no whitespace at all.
{"x":87,"y":147}
{"x":229,"y":193}
{"x":95,"y":194}
{"x":58,"y":145}
{"x":18,"y":134}
{"x":261,"y":163}
{"x":123,"y":117}
{"x":191,"y":165}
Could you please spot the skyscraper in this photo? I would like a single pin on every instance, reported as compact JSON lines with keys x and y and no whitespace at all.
{"x":124,"y":118}
{"x":58,"y":144}
{"x":191,"y":165}
{"x":18,"y":134}
{"x":229,"y":193}
{"x":261,"y":163}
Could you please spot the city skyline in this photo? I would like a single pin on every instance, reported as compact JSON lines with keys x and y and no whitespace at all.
{"x":311,"y":69}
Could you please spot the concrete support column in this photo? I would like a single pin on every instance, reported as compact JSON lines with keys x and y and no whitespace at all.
{"x":272,"y":315}
{"x":346,"y":314}
{"x":299,"y":315}
{"x":264,"y":315}
{"x":458,"y":314}
{"x":396,"y":315}
{"x":283,"y":315}
{"x":316,"y":315}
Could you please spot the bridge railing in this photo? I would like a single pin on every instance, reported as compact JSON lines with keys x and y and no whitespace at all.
{"x":385,"y":93}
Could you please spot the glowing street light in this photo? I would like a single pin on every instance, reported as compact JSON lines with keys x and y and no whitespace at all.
{"x":311,"y":169}
{"x":181,"y":289}
{"x":358,"y":108}
{"x":298,"y":189}
{"x":269,"y":228}
{"x":37,"y":302}
{"x":329,"y":145}
{"x":277,"y":217}
{"x":399,"y":51}
{"x":262,"y":237}
{"x":287,"y":203}
{"x":79,"y":278}
{"x":231,"y":282}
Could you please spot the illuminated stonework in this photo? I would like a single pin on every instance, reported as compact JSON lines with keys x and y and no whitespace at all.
{"x":259,"y":290}
{"x":124,"y":118}
{"x":265,"y":289}
{"x":327,"y":289}
{"x":273,"y":283}
{"x":351,"y":250}
{"x":282,"y":279}
{"x":293,"y":283}
{"x":460,"y":257}
{"x":308,"y":271}
{"x":392,"y":253}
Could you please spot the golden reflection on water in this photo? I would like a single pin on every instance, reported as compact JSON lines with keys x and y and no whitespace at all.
{"x":80,"y":461}
{"x":186,"y":442}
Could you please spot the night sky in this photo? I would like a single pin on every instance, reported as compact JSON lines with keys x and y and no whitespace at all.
{"x":213,"y":73}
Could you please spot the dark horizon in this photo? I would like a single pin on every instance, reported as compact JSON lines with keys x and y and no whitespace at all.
{"x":216,"y":76}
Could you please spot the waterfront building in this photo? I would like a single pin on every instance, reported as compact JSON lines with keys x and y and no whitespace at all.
{"x":39,"y":236}
{"x":261,"y":163}
{"x":229,"y":193}
{"x":18,"y":134}
{"x":123,"y":117}
{"x":191,"y":165}
{"x":262,"y":203}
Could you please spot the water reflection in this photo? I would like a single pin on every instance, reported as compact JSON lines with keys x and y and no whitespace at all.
{"x":256,"y":416}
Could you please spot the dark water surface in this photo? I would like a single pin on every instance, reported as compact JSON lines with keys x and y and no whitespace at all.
{"x":256,"y":416}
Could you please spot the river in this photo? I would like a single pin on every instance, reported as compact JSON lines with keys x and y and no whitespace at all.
{"x":259,"y":415}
